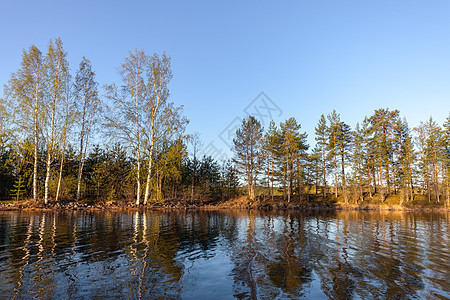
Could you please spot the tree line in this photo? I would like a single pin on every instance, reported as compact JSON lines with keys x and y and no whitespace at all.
{"x":49,"y":118}
{"x":381,"y":156}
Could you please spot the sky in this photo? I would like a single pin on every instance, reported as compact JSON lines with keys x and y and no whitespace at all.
{"x":275,"y":59}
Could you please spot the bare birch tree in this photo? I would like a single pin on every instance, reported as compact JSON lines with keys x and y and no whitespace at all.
{"x":88,"y":106}
{"x":161,"y":116}
{"x":129,"y":99}
{"x":57,"y":71}
{"x":69,"y":115}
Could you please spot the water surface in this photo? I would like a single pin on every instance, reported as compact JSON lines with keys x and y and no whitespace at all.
{"x":223,"y":255}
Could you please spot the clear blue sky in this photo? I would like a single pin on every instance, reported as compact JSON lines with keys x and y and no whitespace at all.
{"x":309,"y":57}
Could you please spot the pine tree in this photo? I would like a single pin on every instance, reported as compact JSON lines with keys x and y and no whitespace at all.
{"x":359,"y":159}
{"x":407,"y":158}
{"x":423,"y":161}
{"x":272,"y":141}
{"x":314,"y":163}
{"x":333,"y":151}
{"x":383,"y":126}
{"x":247,"y":148}
{"x":293,"y":148}
{"x":435,"y":152}
{"x":446,"y":158}
{"x":344,"y":144}
{"x":321,"y":139}
{"x":230,"y":180}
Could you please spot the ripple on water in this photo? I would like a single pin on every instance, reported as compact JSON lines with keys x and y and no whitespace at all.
{"x":204,"y":255}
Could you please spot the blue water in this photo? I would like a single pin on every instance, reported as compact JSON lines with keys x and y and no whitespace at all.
{"x":224,"y":255}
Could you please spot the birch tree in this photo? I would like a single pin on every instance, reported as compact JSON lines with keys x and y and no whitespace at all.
{"x":57,"y":75}
{"x":26,"y":90}
{"x":168,"y":126}
{"x":129,"y":100}
{"x":142,"y":113}
{"x":69,"y":116}
{"x":88,"y":105}
{"x":161,"y":117}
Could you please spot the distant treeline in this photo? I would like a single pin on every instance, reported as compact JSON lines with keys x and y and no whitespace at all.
{"x":48,"y":117}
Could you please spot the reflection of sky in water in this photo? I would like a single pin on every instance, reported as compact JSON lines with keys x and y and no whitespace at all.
{"x":201,"y":280}
{"x":205,"y":254}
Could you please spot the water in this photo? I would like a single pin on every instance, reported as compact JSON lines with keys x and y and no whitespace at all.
{"x":224,"y":255}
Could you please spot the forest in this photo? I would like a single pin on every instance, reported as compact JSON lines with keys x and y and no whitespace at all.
{"x":65,"y":137}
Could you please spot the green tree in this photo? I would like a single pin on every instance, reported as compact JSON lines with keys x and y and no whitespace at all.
{"x":423,"y":163}
{"x":344,"y":144}
{"x":314,"y":167}
{"x":321,"y":140}
{"x":434,"y":151}
{"x":196,"y":146}
{"x":333,"y":151}
{"x":272,"y":148}
{"x":358,"y":158}
{"x":406,"y":161}
{"x":383,"y":127}
{"x":230,"y":180}
{"x":293,"y":148}
{"x":446,"y":158}
{"x":6,"y":148}
{"x":247,"y":148}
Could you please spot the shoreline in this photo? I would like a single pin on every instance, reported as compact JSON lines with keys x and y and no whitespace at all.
{"x":228,"y":205}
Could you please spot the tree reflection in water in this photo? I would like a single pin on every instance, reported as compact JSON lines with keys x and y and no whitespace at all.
{"x":240,"y":254}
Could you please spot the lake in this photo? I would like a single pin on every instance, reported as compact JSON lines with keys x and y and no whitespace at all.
{"x":224,"y":254}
